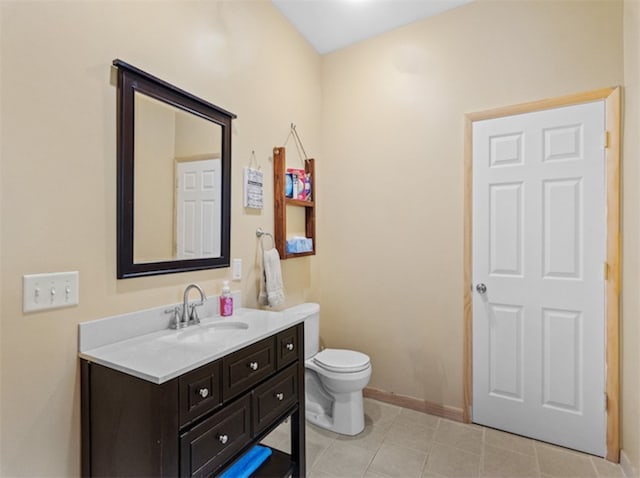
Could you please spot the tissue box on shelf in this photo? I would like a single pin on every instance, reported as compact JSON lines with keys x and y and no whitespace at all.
{"x":299,"y":244}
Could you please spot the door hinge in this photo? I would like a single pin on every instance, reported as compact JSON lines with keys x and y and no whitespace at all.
{"x":606,"y":402}
{"x":606,"y":271}
{"x":605,"y":140}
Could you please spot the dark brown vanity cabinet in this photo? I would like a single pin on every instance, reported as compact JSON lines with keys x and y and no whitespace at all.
{"x":199,"y":423}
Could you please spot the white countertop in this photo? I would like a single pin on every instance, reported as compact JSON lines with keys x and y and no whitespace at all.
{"x":164,"y":354}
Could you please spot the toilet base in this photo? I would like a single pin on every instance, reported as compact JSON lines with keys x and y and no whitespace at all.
{"x":347,"y":414}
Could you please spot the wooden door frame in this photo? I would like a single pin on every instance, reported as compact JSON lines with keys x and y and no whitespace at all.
{"x":612,"y":98}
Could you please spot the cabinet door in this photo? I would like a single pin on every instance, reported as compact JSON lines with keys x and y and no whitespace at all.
{"x":288,"y":344}
{"x":199,"y":392}
{"x":209,"y":445}
{"x":274,"y":397}
{"x":130,"y":425}
{"x":245,"y":368}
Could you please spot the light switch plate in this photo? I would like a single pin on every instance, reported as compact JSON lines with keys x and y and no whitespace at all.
{"x":237,"y":269}
{"x":50,"y":291}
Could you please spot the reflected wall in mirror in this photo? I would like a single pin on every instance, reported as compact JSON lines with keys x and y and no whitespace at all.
{"x":177,"y":152}
{"x":174,"y":178}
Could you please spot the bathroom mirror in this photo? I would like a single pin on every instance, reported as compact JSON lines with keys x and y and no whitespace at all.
{"x":174,"y":178}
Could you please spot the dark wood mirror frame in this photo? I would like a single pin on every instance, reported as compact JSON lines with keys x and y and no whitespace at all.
{"x":130,"y":81}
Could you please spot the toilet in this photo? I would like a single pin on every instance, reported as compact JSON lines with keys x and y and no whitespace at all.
{"x":334,"y":379}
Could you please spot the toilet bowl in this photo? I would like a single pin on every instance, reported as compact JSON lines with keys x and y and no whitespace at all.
{"x":334,"y":379}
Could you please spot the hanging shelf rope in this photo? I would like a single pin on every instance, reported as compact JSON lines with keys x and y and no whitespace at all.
{"x":293,"y":132}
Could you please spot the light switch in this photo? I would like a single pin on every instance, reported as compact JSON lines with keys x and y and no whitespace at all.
{"x":237,"y":269}
{"x":50,"y":291}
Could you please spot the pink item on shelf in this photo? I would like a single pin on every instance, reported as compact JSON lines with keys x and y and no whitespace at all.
{"x":298,"y":177}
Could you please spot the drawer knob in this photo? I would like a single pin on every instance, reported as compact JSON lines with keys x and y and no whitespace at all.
{"x":289,"y":346}
{"x":253,"y":365}
{"x":223,"y":439}
{"x":280,"y":396}
{"x":204,"y":392}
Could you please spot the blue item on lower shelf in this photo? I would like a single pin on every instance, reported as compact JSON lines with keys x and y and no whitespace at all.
{"x":248,"y":463}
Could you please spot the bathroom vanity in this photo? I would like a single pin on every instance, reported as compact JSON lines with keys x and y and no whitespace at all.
{"x":191,"y":402}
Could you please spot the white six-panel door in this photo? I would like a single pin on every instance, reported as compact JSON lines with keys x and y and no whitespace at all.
{"x":539,"y":239}
{"x":198,"y":208}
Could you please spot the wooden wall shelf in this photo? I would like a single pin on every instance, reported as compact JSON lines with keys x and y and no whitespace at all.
{"x":280,"y":203}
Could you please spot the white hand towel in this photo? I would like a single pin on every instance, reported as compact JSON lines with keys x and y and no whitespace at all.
{"x":271,"y":285}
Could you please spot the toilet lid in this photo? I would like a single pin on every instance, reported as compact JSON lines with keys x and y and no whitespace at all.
{"x":340,"y":360}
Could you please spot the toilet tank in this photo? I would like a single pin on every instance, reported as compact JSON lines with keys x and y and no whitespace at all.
{"x":311,"y":314}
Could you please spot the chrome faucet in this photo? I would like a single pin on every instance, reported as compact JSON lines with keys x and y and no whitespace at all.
{"x":192,"y":316}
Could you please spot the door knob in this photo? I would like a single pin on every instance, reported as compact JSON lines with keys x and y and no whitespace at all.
{"x":481,"y":288}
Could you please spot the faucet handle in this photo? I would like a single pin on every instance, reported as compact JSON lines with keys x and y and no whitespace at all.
{"x":193,"y":313}
{"x":175,"y":320}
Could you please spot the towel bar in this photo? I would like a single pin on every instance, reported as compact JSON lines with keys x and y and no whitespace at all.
{"x":260,"y":233}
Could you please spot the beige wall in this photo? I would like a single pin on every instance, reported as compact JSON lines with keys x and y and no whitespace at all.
{"x":630,"y":383}
{"x":197,"y":137}
{"x":390,"y":110}
{"x":393,"y":116}
{"x":153,"y":198}
{"x":58,"y":190}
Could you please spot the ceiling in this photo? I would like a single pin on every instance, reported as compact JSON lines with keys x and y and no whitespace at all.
{"x":333,"y":24}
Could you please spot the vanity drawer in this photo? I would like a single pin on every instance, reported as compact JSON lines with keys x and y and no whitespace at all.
{"x":199,"y":392}
{"x":246,"y":367}
{"x":274,"y":397}
{"x":288,"y":345}
{"x":207,"y":446}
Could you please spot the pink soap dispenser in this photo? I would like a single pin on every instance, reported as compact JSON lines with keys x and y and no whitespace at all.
{"x":226,"y":300}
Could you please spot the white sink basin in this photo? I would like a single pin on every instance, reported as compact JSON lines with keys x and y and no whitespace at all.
{"x":225,"y":324}
{"x":207,"y":331}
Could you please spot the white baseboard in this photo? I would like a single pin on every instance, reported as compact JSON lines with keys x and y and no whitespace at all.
{"x":627,"y":468}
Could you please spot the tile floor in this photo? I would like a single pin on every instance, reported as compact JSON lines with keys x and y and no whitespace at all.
{"x":398,"y":442}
